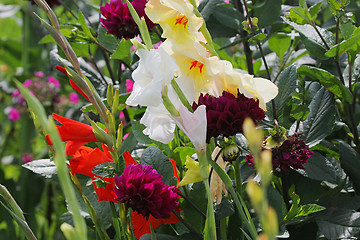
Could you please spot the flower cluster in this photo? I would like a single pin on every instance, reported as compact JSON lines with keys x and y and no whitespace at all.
{"x":292,"y":153}
{"x":118,"y":20}
{"x":141,"y":188}
{"x":226,"y":114}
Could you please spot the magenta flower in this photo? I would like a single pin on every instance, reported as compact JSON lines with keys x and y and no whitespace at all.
{"x":16,"y":94}
{"x":118,"y":20}
{"x":14,"y":114}
{"x":39,"y":74}
{"x":27,"y":157}
{"x":293,"y":153}
{"x":53,"y":81}
{"x":226,"y":114}
{"x":141,"y":188}
{"x":74,"y":98}
{"x":129,"y":85}
{"x":27,"y":83}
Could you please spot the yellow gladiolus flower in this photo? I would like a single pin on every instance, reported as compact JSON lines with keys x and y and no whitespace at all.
{"x":193,"y":172}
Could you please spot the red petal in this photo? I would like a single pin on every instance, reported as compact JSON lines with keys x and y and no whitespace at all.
{"x":128,"y":159}
{"x":105,"y":194}
{"x":173,"y":162}
{"x":72,"y":84}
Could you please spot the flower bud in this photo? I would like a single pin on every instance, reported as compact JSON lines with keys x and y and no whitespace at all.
{"x":231,"y":153}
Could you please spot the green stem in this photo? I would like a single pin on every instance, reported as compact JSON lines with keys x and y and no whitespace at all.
{"x":238,"y":182}
{"x":223,"y":229}
{"x":124,"y":221}
{"x":115,"y":218}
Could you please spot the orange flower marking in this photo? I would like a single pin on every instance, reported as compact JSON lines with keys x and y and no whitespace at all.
{"x":197,"y":64}
{"x":182,"y":20}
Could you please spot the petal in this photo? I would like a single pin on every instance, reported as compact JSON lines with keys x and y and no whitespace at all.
{"x":107,"y":193}
{"x":192,"y":174}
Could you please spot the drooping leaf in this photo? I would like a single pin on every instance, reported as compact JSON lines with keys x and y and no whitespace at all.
{"x":286,"y":86}
{"x":350,"y":162}
{"x":321,"y":168}
{"x":321,"y":118}
{"x":154,"y":157}
{"x":332,"y":83}
{"x":43,"y":167}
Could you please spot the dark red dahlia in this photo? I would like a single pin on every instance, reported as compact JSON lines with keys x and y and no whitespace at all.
{"x":118,"y":20}
{"x":293,"y":153}
{"x":226,"y":114}
{"x":141,"y":188}
{"x":51,"y":3}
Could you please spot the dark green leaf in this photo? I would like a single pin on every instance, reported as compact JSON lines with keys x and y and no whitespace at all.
{"x":137,"y":129}
{"x":347,"y":29}
{"x":129,"y":144}
{"x":43,"y":167}
{"x":224,"y":209}
{"x":300,"y":15}
{"x":258,"y":38}
{"x":154,"y":157}
{"x":279,"y":43}
{"x":321,"y":118}
{"x":321,"y":168}
{"x":287,"y":86}
{"x":207,"y":8}
{"x":350,"y":162}
{"x":103,"y":169}
{"x":355,"y":73}
{"x":268,"y":13}
{"x":277,"y":202}
{"x":229,"y":17}
{"x":332,"y":83}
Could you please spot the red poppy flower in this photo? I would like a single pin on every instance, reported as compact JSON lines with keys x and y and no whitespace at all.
{"x":72,"y":83}
{"x":141,"y":225}
{"x":74,"y":133}
{"x":85,"y":159}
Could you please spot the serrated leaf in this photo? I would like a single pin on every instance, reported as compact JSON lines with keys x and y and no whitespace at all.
{"x":102,"y":170}
{"x":300,"y":15}
{"x":321,"y":168}
{"x":287,"y":86}
{"x":350,"y":162}
{"x":154,"y":157}
{"x":311,"y":39}
{"x":43,"y":167}
{"x":332,"y":83}
{"x":279,"y":43}
{"x":107,"y":40}
{"x":321,"y":118}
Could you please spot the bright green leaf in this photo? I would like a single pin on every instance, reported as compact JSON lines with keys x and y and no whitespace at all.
{"x":279,"y":43}
{"x":300,"y":16}
{"x":122,"y":51}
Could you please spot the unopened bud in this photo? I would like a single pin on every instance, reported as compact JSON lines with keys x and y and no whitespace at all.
{"x":231,"y":153}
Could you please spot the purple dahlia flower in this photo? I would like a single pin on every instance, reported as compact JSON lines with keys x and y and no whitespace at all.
{"x":118,"y":20}
{"x":293,"y":152}
{"x":141,"y":188}
{"x":226,"y":114}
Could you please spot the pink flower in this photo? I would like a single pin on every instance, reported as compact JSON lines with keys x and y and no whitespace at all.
{"x":27,"y":157}
{"x":54,"y":81}
{"x":15,"y":94}
{"x":74,"y":98}
{"x":129,"y":85}
{"x":14,"y":114}
{"x":27,"y":83}
{"x":39,"y":74}
{"x":157,"y":45}
{"x":141,"y":188}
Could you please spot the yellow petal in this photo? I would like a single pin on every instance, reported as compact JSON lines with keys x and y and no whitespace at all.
{"x":193,"y":172}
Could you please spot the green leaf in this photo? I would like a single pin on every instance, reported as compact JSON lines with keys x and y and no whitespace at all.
{"x":122,"y":51}
{"x":229,"y":17}
{"x":183,"y":152}
{"x":287,"y":86}
{"x":129,"y":144}
{"x":224,"y":209}
{"x":257,"y":38}
{"x":334,"y":6}
{"x":344,"y":46}
{"x":315,"y":9}
{"x":321,"y":118}
{"x":350,"y":162}
{"x":268,"y":13}
{"x":347,"y":29}
{"x":279,"y":43}
{"x":300,"y":15}
{"x":103,"y":169}
{"x":137,"y":129}
{"x":84,"y":27}
{"x":299,"y":112}
{"x":207,"y":8}
{"x":154,"y":157}
{"x":355,"y":73}
{"x":107,"y":40}
{"x":332,"y":83}
{"x":311,"y":39}
{"x":43,"y":167}
{"x":321,"y":168}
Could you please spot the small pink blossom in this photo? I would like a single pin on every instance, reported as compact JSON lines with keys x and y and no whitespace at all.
{"x":39,"y":74}
{"x":27,"y":83}
{"x":157,"y":45}
{"x":54,"y":81}
{"x":14,"y":114}
{"x":15,"y":94}
{"x":129,"y":85}
{"x":27,"y":157}
{"x":74,"y":98}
